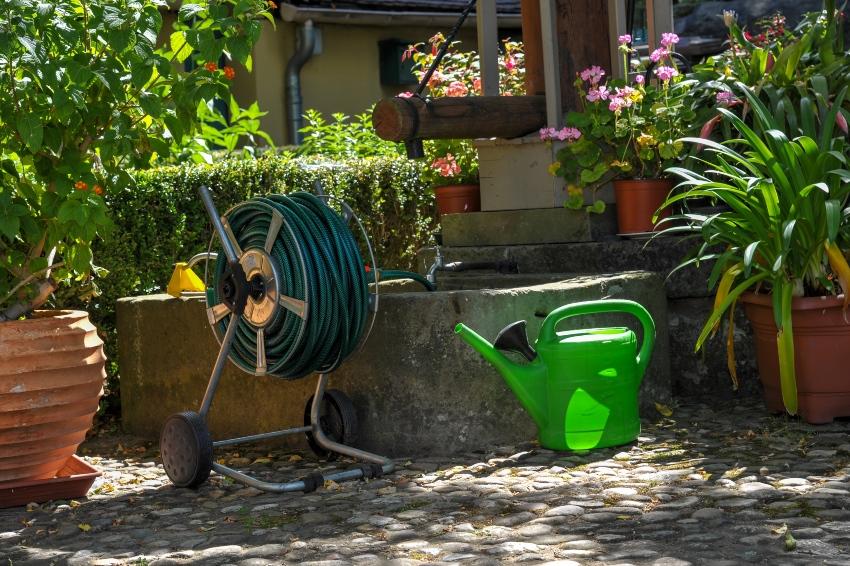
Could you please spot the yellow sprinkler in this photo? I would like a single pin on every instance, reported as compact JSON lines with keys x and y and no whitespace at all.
{"x":183,"y":279}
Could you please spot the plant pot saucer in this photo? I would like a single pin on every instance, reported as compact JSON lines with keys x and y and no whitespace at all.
{"x":73,"y":480}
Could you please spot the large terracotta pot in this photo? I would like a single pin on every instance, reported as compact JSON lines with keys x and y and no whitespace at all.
{"x":637,"y":201}
{"x":452,"y":199}
{"x":52,"y":369}
{"x":821,"y":343}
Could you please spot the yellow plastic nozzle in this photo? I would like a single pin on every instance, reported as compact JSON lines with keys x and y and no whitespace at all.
{"x":183,"y":279}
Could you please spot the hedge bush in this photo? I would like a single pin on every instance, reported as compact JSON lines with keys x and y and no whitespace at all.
{"x":161,"y":220}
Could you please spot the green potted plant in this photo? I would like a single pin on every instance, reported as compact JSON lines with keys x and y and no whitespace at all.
{"x":86,"y":94}
{"x":779,"y":248}
{"x":451,"y":168}
{"x":628,"y":133}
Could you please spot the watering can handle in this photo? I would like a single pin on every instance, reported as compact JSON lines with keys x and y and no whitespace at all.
{"x":547,"y":331}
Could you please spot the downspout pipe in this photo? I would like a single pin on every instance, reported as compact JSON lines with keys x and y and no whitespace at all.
{"x":294,"y":101}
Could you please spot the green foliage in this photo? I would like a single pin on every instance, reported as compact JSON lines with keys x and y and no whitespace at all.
{"x":387,"y":194}
{"x":787,"y":222}
{"x":344,"y":137}
{"x":450,"y":162}
{"x":86,"y":95}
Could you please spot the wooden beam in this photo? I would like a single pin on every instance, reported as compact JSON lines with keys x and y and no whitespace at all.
{"x":551,"y":64}
{"x":533,"y":42}
{"x":583,"y":40}
{"x":617,"y":26}
{"x":462,"y":117}
{"x":488,"y":46}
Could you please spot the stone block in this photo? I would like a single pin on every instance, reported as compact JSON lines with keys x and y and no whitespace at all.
{"x":418,"y":388}
{"x":534,"y":226}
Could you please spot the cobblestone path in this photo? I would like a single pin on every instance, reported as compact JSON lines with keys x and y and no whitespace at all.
{"x":723,"y":485}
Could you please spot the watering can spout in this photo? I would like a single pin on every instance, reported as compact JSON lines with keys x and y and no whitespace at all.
{"x":528,"y":381}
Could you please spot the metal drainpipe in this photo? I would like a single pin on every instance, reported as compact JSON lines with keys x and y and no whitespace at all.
{"x":293,"y":80}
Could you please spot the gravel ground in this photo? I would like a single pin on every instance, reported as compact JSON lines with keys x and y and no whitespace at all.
{"x":708,"y":485}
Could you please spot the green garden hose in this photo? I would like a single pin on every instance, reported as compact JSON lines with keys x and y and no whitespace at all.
{"x":317,"y":261}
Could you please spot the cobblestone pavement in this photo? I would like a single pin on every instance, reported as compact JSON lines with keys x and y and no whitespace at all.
{"x":725,"y":485}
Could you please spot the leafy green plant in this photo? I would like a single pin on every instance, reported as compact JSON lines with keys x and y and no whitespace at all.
{"x":344,"y":137}
{"x":787,"y":224}
{"x":623,"y":130}
{"x":87,"y":95}
{"x":450,"y":162}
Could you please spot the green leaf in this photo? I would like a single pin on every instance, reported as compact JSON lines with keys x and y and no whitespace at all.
{"x":179,"y":46}
{"x":32,"y":132}
{"x":9,"y":226}
{"x":189,"y":11}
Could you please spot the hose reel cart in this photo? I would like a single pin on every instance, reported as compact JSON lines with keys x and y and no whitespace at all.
{"x":288,"y":297}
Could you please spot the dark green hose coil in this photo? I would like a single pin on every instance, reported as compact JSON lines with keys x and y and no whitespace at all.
{"x":336,"y":291}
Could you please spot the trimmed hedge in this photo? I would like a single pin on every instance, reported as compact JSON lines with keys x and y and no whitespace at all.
{"x":161,"y":220}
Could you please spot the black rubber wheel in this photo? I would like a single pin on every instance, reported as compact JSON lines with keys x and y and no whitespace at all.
{"x":338,"y":420}
{"x":186,"y":449}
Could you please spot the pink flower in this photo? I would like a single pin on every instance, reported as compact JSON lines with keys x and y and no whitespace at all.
{"x":600,"y":93}
{"x":446,"y":166}
{"x":457,"y":88}
{"x":406,"y":94}
{"x":476,"y":85}
{"x":510,"y":63}
{"x":726,"y":98}
{"x":568,"y":134}
{"x":668,"y":40}
{"x":841,"y":122}
{"x":547,"y":134}
{"x":408,"y":53}
{"x":639,"y":79}
{"x":707,"y":128}
{"x":658,"y":55}
{"x":624,"y":39}
{"x":616,"y":104}
{"x":593,"y":74}
{"x":666,"y":73}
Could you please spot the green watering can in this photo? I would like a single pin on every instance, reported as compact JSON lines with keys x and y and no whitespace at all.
{"x":581,"y":387}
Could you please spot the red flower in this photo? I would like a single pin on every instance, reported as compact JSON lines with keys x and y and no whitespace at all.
{"x":211,"y":67}
{"x":81,"y":186}
{"x":229,"y":73}
{"x":98,"y":190}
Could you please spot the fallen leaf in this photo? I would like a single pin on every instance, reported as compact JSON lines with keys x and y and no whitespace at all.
{"x":295,"y":458}
{"x":206,"y":529}
{"x":230,"y":519}
{"x":663,"y":409}
{"x":73,"y":504}
{"x":262,"y":461}
{"x":780,"y":530}
{"x":85,"y":527}
{"x":332,"y":485}
{"x":790,"y":542}
{"x":32,"y":507}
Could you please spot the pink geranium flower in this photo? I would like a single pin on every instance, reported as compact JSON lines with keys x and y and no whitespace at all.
{"x":457,"y":88}
{"x":668,"y":40}
{"x":406,"y":94}
{"x":658,"y":55}
{"x":640,"y":79}
{"x":624,"y":39}
{"x":568,"y":134}
{"x":666,"y":73}
{"x":599,"y":93}
{"x":593,"y":74}
{"x":446,"y":166}
{"x":616,"y":104}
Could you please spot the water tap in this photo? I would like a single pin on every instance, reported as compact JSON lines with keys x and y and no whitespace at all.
{"x":431,"y":276}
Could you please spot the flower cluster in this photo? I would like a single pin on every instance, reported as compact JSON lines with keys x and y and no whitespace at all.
{"x":564,"y":134}
{"x":625,"y":128}
{"x":446,"y":166}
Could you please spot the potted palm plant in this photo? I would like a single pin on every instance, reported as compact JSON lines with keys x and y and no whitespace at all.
{"x":779,"y":248}
{"x":85,"y":94}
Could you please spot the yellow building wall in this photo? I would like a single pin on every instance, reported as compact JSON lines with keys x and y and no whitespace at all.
{"x":344,"y":77}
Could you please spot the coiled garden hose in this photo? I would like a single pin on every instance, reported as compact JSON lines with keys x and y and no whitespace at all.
{"x":315,"y":265}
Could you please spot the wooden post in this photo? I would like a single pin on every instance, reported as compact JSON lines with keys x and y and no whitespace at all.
{"x":583,"y":40}
{"x":488,"y":46}
{"x":659,"y":19}
{"x":617,"y":26}
{"x":532,"y":41}
{"x":458,"y":117}
{"x":551,"y":64}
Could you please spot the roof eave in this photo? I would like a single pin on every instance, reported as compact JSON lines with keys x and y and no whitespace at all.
{"x":290,"y":13}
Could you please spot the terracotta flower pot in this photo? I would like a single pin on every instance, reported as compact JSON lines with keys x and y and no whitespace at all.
{"x":821,"y":343}
{"x":51,"y":378}
{"x":452,"y":199}
{"x":637,"y":201}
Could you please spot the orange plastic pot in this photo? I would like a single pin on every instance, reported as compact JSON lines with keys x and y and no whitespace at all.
{"x":821,"y":343}
{"x":51,"y":379}
{"x":452,"y":199}
{"x":637,"y":201}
